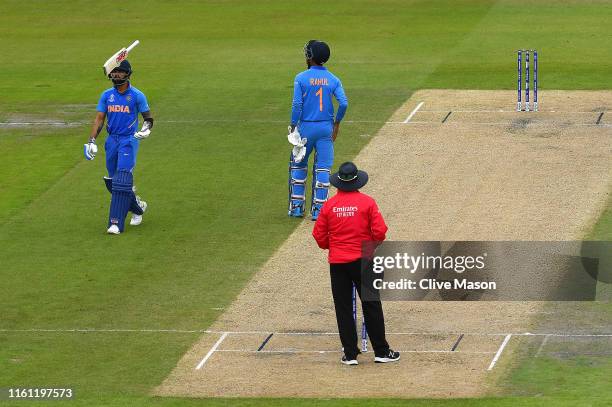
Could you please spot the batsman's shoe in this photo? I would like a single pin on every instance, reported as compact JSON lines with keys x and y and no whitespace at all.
{"x":348,"y":361}
{"x":316,"y":208}
{"x":390,"y":356}
{"x":296,"y":211}
{"x":113,"y":230}
{"x":137,"y":219}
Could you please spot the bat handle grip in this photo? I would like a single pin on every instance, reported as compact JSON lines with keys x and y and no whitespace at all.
{"x":133,"y":45}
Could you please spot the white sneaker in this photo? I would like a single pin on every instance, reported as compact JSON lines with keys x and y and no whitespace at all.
{"x":137,"y":219}
{"x":113,"y":230}
{"x":347,"y":361}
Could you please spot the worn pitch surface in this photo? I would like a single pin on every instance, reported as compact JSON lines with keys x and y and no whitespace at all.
{"x":484,"y":172}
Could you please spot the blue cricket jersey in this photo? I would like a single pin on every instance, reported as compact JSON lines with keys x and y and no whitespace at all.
{"x":122,"y":110}
{"x":312,"y":96}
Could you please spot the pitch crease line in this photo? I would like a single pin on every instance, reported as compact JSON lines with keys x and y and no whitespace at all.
{"x":339,"y":351}
{"x":211,"y":351}
{"x":543,"y":122}
{"x":80,"y":123}
{"x":210,"y":331}
{"x":542,"y":346}
{"x":416,"y":109}
{"x":499,"y":351}
{"x":503,"y":111}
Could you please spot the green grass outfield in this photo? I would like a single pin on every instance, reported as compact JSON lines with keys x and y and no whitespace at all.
{"x":219,"y":77}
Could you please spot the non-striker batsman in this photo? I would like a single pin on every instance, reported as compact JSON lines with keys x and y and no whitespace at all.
{"x":120,"y":106}
{"x":313,"y":126}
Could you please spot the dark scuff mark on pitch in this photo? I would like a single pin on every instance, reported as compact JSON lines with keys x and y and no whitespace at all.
{"x":519,"y":124}
{"x":263,"y":344}
{"x":457,"y":343}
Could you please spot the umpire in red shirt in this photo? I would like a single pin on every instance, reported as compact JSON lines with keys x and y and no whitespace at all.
{"x":344,"y":223}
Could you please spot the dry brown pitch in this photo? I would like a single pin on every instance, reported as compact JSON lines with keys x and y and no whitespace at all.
{"x":484,"y":173}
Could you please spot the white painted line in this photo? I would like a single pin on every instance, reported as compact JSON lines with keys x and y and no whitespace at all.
{"x":499,"y":351}
{"x":444,"y":110}
{"x":336,"y":333}
{"x":407,"y":121}
{"x":416,"y":109}
{"x":338,"y":351}
{"x":119,"y":330}
{"x":211,"y":351}
{"x":510,"y":123}
{"x":209,"y":331}
{"x":542,"y":346}
{"x":62,"y":124}
{"x":415,"y":333}
{"x":568,"y":335}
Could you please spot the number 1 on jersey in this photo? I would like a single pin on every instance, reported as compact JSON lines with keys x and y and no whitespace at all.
{"x":320,"y":95}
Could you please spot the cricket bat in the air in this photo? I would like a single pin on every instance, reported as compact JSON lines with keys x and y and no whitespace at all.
{"x":114,"y":61}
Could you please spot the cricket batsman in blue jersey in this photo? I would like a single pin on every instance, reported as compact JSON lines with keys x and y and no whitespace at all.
{"x":313,"y":126}
{"x":120,"y":106}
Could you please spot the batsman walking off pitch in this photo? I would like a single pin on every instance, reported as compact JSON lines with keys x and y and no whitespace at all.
{"x":120,"y":106}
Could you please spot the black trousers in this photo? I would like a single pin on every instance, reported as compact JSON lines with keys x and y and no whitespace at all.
{"x":343,"y":275}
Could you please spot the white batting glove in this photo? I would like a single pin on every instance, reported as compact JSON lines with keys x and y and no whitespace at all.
{"x":144,"y":132}
{"x":90,"y":149}
{"x":295,"y":138}
{"x":299,"y":143}
{"x":299,"y":152}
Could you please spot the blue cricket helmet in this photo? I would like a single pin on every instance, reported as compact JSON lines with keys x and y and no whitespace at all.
{"x":124,"y":66}
{"x":317,"y":50}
